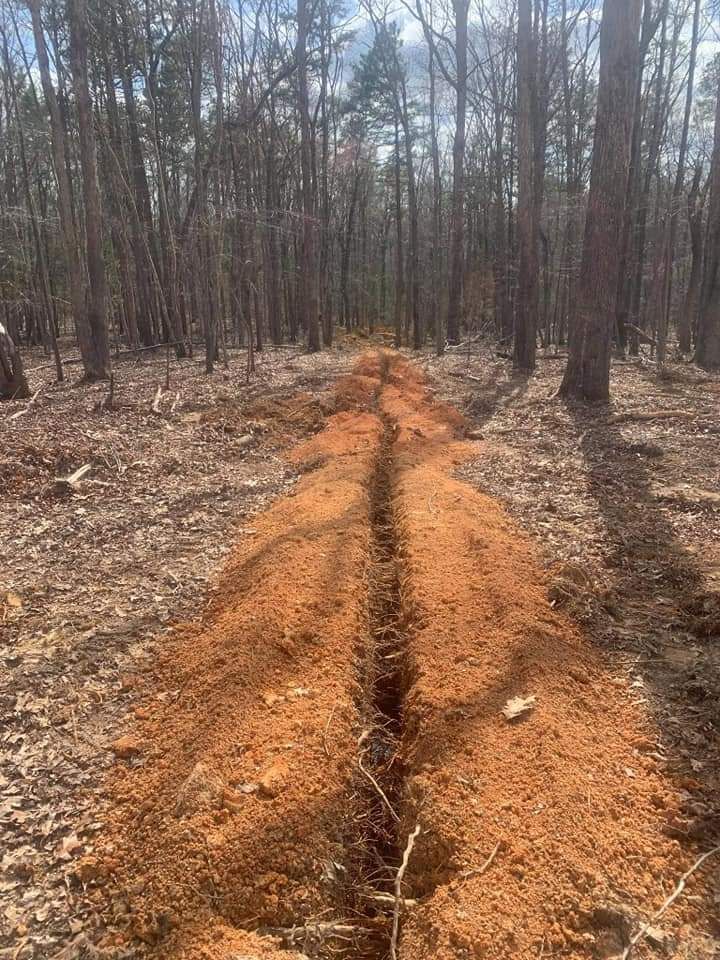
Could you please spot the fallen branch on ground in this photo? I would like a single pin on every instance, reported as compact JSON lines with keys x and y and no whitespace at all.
{"x":642,"y":415}
{"x":644,"y":337}
{"x":155,"y":405}
{"x":329,"y":928}
{"x":28,"y":406}
{"x":71,"y":482}
{"x":642,"y":932}
{"x":389,"y":898}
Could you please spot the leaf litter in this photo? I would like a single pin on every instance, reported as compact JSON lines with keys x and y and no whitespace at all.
{"x":116,"y":521}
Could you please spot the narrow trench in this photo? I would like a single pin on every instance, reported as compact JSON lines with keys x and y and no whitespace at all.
{"x":384,"y":682}
{"x":374,"y":845}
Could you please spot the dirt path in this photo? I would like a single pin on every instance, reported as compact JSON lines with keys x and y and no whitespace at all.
{"x":341,"y":704}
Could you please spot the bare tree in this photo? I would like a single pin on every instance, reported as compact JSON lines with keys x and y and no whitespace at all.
{"x":707,"y":348}
{"x":308,"y":279}
{"x":527,"y":212}
{"x":587,"y":374}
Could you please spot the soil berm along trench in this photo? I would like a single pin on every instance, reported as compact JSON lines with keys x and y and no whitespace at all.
{"x":321,"y":766}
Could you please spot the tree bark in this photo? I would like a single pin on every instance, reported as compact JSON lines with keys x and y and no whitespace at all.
{"x":687,"y":324}
{"x":97,"y":352}
{"x":13,"y":385}
{"x":527,"y":225}
{"x":679,"y":179}
{"x":309,"y":280}
{"x":707,"y":347}
{"x":587,"y":374}
{"x":457,"y":222}
{"x":76,"y":268}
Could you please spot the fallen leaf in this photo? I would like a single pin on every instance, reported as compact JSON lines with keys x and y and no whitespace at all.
{"x":518,"y":706}
{"x":70,"y":845}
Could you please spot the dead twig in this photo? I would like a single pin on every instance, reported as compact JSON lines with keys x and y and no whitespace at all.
{"x":642,"y":932}
{"x":70,"y":483}
{"x":155,"y":405}
{"x":389,"y":898}
{"x":478,"y":871}
{"x":644,"y":415}
{"x":28,"y":406}
{"x":379,"y":789}
{"x":398,"y":890}
{"x":325,"y":731}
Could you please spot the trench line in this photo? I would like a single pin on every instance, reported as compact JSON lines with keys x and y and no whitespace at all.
{"x":385,"y":681}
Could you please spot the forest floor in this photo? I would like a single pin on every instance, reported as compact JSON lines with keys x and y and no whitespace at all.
{"x":261,"y":649}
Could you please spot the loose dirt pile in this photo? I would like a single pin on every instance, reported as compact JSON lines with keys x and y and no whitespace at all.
{"x":381,"y":675}
{"x":624,"y":503}
{"x":546,"y":832}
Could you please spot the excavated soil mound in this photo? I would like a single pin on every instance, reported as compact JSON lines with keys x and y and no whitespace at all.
{"x":336,"y":722}
{"x":543,"y":834}
{"x":239,"y":801}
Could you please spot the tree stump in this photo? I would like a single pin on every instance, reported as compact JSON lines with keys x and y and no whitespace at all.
{"x":13,"y":385}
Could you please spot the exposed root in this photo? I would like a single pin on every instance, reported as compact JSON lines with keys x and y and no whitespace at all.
{"x":398,"y":891}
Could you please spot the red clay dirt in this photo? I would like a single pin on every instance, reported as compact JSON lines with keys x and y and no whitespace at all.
{"x":569,"y":797}
{"x":242,"y":811}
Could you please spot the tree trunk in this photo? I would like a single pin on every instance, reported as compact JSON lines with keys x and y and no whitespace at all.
{"x":457,"y":222}
{"x":309,"y":280}
{"x":679,"y":176}
{"x":435,"y":254}
{"x":76,"y":270}
{"x":707,"y":347}
{"x":399,"y":268}
{"x":13,"y":385}
{"x":687,"y":324}
{"x":97,"y":352}
{"x":587,"y":375}
{"x":527,"y":295}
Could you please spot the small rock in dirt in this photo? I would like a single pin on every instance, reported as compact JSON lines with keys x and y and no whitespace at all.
{"x":203,"y":790}
{"x":612,"y":925}
{"x":126,"y":747}
{"x":657,"y":937}
{"x":247,"y":787}
{"x":270,"y":699}
{"x":474,"y":435}
{"x":273,"y":781}
{"x":246,"y":440}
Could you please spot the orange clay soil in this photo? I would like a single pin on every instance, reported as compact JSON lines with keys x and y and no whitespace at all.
{"x":244,"y":796}
{"x":568,"y":798}
{"x":244,"y":812}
